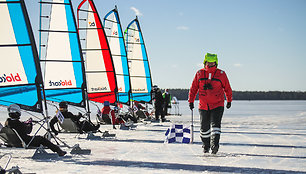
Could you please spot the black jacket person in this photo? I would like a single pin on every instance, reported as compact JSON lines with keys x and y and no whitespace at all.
{"x":158,"y":103}
{"x":23,"y":129}
{"x":83,"y":126}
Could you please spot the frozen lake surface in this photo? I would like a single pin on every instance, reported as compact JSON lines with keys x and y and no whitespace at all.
{"x":257,"y":137}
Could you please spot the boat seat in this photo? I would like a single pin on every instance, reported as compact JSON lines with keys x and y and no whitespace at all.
{"x":11,"y":138}
{"x":69,"y":126}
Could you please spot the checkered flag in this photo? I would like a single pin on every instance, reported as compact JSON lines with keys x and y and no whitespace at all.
{"x":178,"y":133}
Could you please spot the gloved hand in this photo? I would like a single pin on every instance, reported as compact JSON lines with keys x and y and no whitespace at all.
{"x":56,"y":133}
{"x":29,"y":121}
{"x":191,"y":105}
{"x":79,"y":116}
{"x":228,"y":105}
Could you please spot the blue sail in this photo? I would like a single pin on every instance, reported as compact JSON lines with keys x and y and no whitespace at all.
{"x":20,"y":74}
{"x":61,"y":57}
{"x":115,"y":38}
{"x":140,"y":75}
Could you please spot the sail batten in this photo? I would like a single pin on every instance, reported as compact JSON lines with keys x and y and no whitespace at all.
{"x":141,"y":82}
{"x":20,"y":76}
{"x":100,"y":70}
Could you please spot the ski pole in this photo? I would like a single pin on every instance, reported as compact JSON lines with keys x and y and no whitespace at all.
{"x":191,"y":126}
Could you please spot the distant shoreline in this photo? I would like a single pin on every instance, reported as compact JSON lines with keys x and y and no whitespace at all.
{"x":182,"y":94}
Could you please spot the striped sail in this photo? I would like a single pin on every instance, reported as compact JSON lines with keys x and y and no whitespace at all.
{"x":140,"y":75}
{"x":100,"y":73}
{"x":114,"y":34}
{"x":20,"y":76}
{"x":60,"y":53}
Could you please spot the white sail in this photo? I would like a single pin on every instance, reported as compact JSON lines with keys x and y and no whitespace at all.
{"x":100,"y":73}
{"x":61,"y":56}
{"x":140,"y":75}
{"x":20,"y":76}
{"x":114,"y":34}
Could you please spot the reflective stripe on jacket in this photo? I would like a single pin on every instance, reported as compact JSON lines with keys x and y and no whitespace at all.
{"x":210,"y":98}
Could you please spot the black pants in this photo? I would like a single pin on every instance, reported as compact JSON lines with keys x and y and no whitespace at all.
{"x":159,"y":111}
{"x":39,"y":140}
{"x":106,"y":119}
{"x":166,"y":109}
{"x":211,"y":127}
{"x":87,"y":126}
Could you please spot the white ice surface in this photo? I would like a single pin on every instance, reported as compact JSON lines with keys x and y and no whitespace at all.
{"x":257,"y":137}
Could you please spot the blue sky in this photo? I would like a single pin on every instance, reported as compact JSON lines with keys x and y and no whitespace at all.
{"x":261,"y":44}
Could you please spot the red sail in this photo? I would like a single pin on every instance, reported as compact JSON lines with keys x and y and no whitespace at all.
{"x":100,"y":73}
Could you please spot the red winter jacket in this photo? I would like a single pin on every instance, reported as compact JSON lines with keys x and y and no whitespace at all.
{"x":210,"y":98}
{"x":108,"y":111}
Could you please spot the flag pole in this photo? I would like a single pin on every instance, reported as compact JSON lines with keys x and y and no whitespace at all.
{"x":191,"y":126}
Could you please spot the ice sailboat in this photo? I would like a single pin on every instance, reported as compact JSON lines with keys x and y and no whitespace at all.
{"x":140,"y":74}
{"x":21,"y":78}
{"x":20,"y":74}
{"x":99,"y":68}
{"x":115,"y":38}
{"x":60,"y":54}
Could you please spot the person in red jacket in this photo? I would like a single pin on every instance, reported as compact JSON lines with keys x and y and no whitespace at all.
{"x":211,"y":83}
{"x":108,"y":115}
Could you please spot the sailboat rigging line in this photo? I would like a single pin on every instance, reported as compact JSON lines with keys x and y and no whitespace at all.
{"x":98,"y":71}
{"x":133,"y":30}
{"x":135,"y":43}
{"x":58,"y":31}
{"x":110,"y":21}
{"x":142,"y":76}
{"x":123,"y":75}
{"x":92,"y":49}
{"x":58,"y":3}
{"x":14,"y":45}
{"x":115,"y":36}
{"x":119,"y":55}
{"x":86,"y":11}
{"x":8,"y":2}
{"x":90,"y":28}
{"x":43,"y":60}
{"x":137,"y":59}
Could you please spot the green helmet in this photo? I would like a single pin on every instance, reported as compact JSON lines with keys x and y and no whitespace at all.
{"x":211,"y":58}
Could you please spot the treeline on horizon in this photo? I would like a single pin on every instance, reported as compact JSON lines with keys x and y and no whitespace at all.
{"x":182,"y":94}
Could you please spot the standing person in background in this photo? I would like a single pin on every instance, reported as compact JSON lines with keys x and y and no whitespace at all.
{"x":158,"y":103}
{"x":167,"y":99}
{"x":211,"y":83}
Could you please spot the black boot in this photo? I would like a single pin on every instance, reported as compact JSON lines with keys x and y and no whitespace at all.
{"x":61,"y":153}
{"x":214,"y":149}
{"x":206,"y":150}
